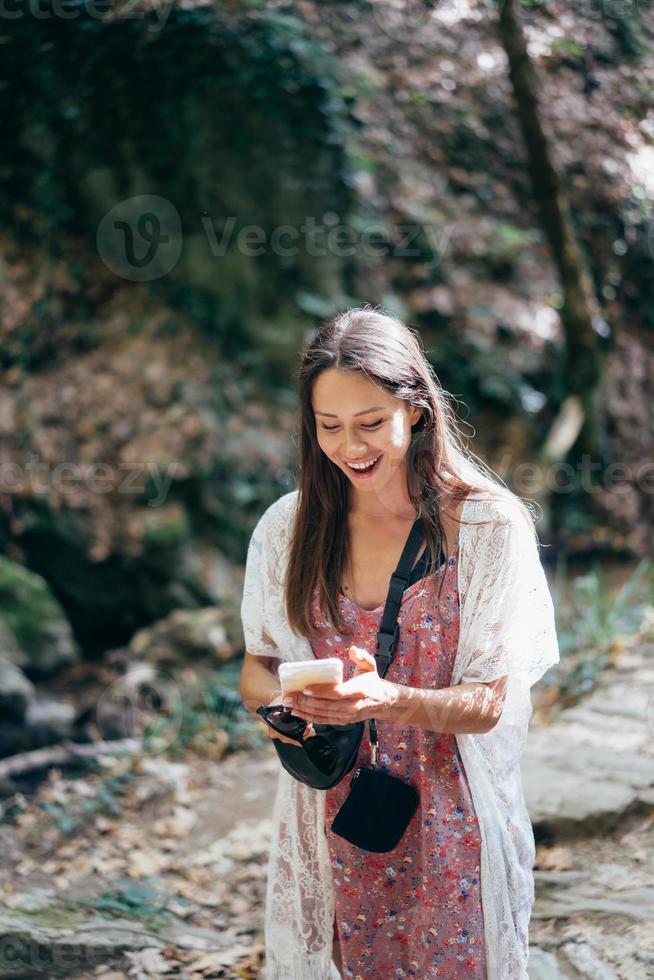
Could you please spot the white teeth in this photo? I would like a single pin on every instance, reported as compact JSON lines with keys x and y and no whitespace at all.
{"x":364,"y":466}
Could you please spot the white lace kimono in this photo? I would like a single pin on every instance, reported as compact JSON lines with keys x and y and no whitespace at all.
{"x":506,"y":627}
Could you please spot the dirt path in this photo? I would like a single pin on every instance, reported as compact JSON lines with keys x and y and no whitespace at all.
{"x":149,"y":867}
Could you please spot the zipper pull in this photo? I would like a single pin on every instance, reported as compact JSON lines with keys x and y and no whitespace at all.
{"x":373,"y":742}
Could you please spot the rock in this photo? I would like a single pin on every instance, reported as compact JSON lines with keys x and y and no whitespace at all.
{"x":41,"y":640}
{"x":161,"y":530}
{"x":15,"y":689}
{"x":8,"y":646}
{"x":28,"y":949}
{"x":184,"y":633}
{"x":585,"y":963}
{"x":572,"y":787}
{"x":49,"y":720}
{"x":41,"y":937}
{"x":46,"y":722}
{"x":584,"y":771}
{"x":130,"y":704}
{"x":565,"y":893}
{"x":203,"y":569}
{"x":544,"y":966}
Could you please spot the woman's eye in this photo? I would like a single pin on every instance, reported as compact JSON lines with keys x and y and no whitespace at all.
{"x":370,"y":425}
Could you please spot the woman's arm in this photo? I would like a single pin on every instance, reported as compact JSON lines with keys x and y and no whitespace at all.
{"x":258,"y":682}
{"x":472,"y":708}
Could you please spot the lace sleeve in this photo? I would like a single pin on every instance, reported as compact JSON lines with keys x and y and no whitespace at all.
{"x":507,"y":617}
{"x":255,"y":590}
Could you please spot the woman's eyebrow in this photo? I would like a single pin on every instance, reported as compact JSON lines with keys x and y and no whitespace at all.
{"x":375,"y":408}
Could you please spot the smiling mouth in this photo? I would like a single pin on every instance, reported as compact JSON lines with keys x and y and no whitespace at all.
{"x":367,"y":469}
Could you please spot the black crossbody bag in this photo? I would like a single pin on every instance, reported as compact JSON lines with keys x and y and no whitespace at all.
{"x":379,"y":807}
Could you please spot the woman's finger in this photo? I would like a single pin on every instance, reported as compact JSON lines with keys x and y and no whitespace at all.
{"x":327,"y":720}
{"x":364,"y":660}
{"x":313,"y":705}
{"x":337,"y":693}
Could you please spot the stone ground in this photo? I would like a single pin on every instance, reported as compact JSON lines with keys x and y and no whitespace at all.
{"x":589,"y":785}
{"x":202,"y":831}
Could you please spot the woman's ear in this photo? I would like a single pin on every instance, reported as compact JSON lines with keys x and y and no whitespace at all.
{"x":416,"y":414}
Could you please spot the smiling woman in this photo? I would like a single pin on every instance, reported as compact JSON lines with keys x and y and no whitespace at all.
{"x":476,"y":630}
{"x":365,"y":442}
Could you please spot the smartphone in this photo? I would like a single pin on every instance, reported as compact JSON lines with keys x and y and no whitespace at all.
{"x":295,"y":676}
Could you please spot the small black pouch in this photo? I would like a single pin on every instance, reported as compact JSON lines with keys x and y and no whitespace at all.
{"x":377,"y":810}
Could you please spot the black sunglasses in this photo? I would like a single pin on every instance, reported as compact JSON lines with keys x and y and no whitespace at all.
{"x":321,"y":752}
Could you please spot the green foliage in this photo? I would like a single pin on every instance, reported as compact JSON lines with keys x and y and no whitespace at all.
{"x":634,"y":275}
{"x":510,"y":238}
{"x":35,"y":619}
{"x":218,"y":708}
{"x":226,"y":113}
{"x":62,"y":820}
{"x":71,"y":818}
{"x":566,"y":46}
{"x":477,"y":370}
{"x":591,"y":617}
{"x":139,"y":900}
{"x":164,"y":532}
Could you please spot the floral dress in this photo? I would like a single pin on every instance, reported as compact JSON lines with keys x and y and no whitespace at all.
{"x":414,"y":911}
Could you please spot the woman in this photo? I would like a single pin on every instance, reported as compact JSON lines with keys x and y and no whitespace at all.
{"x":454,"y":898}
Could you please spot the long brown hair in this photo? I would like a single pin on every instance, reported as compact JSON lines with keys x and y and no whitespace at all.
{"x":390,"y":354}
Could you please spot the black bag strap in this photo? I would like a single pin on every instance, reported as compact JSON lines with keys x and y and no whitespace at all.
{"x":389,"y":630}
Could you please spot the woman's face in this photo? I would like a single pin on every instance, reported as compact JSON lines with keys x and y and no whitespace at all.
{"x":358,"y":422}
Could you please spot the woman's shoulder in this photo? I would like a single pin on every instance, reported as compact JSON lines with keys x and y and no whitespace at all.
{"x":498,"y":505}
{"x":281,"y":509}
{"x":276,"y":519}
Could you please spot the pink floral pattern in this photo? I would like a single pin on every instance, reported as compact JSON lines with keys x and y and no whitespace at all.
{"x":414,"y":911}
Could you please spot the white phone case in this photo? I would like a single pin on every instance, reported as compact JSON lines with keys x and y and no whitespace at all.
{"x":296,"y":676}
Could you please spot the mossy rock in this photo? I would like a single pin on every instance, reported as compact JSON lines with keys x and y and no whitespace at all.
{"x":29,"y":612}
{"x":15,"y":689}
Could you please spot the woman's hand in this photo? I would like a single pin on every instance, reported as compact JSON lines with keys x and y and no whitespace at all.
{"x":341,"y":704}
{"x":308,"y":731}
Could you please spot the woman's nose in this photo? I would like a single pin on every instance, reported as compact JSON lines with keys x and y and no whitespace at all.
{"x":353,"y":447}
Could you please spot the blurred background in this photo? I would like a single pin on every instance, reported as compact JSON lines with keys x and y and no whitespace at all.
{"x":187,"y":189}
